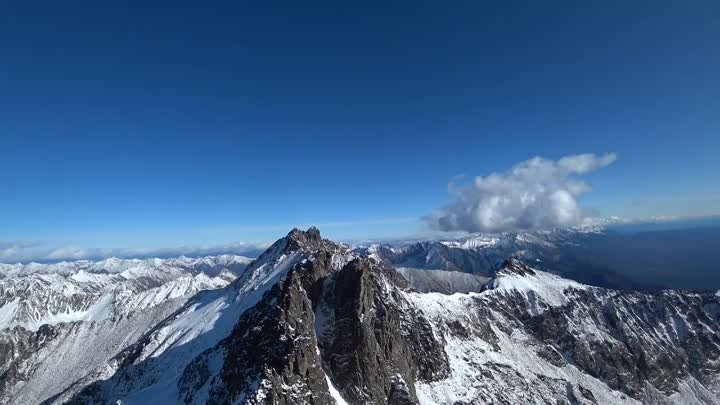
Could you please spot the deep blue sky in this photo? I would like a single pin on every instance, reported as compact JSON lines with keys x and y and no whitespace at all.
{"x":152,"y":124}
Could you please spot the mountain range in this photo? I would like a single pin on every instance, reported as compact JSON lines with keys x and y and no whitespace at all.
{"x":513,"y":318}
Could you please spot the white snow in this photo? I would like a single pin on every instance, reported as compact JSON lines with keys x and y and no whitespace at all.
{"x":334,"y":393}
{"x":7,"y":311}
{"x":199,"y":326}
{"x":471,"y":358}
{"x":35,"y":294}
{"x":550,"y":288}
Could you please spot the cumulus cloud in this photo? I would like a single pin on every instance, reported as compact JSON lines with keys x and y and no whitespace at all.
{"x":536,"y":193}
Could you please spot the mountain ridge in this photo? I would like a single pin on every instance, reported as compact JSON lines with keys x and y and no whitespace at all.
{"x":313,"y":322}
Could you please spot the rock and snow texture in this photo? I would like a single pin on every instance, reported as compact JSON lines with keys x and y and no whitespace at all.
{"x":154,"y":369}
{"x":479,"y":253}
{"x":310,"y":322}
{"x":58,"y":322}
{"x":446,"y":282}
{"x":532,"y":336}
{"x":37,"y":294}
{"x":554,"y":250}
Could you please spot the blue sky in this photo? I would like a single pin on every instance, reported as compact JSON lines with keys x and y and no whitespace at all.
{"x":151,"y":124}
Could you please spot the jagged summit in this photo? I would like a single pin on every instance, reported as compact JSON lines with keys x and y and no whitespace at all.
{"x":310,"y":239}
{"x":515,"y":266}
{"x":288,"y":249}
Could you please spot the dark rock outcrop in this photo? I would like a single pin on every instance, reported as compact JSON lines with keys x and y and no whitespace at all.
{"x":373,"y":346}
{"x":629,"y":339}
{"x":273,"y":350}
{"x":378,"y":345}
{"x":17,"y":346}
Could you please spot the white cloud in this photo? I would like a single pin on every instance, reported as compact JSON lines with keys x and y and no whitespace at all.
{"x":536,"y":193}
{"x":21,"y":251}
{"x":12,"y":252}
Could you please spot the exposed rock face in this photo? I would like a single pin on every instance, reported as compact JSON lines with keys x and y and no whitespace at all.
{"x":377,"y":345}
{"x":271,"y":356}
{"x":309,"y":239}
{"x":371,"y":343}
{"x":639,"y":338}
{"x":16,"y":347}
{"x":446,"y":282}
{"x":604,"y":346}
{"x":657,"y":339}
{"x":191,"y":356}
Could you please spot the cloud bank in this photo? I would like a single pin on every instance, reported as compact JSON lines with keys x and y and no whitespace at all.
{"x":13,"y":252}
{"x":26,"y":251}
{"x":534,"y":194}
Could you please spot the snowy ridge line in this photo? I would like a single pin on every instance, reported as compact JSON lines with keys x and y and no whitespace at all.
{"x":497,"y":342}
{"x":162,"y":355}
{"x":35,"y":295}
{"x":126,"y":267}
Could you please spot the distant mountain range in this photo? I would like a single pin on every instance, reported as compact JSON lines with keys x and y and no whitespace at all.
{"x":615,"y":257}
{"x":483,"y":319}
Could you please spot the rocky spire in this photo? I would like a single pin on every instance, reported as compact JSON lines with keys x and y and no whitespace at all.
{"x":309,"y":240}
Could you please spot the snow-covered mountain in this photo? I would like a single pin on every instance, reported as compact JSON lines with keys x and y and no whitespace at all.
{"x":446,"y":282}
{"x":35,"y":294}
{"x":59,"y":321}
{"x":563,"y":251}
{"x":312,"y":322}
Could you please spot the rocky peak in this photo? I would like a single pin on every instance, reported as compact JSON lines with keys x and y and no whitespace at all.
{"x":515,"y":266}
{"x":309,"y":240}
{"x":297,"y":245}
{"x":321,"y":334}
{"x":374,"y":344}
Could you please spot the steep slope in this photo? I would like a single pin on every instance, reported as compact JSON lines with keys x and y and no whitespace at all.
{"x":36,"y":294}
{"x":533,"y":336}
{"x":150,"y":370}
{"x":59,"y":322}
{"x":303,"y":344}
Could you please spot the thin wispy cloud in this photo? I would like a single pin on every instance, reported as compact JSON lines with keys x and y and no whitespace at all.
{"x":23,"y":251}
{"x":536,"y":193}
{"x":26,"y":252}
{"x":11,"y":250}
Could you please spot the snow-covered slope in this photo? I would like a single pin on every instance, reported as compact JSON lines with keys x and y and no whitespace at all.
{"x":210,"y":265}
{"x":532,"y":336}
{"x":58,"y":322}
{"x":478,"y":253}
{"x":150,"y":370}
{"x":35,"y":294}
